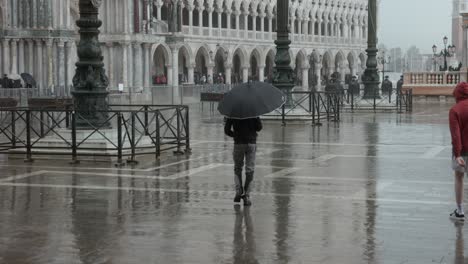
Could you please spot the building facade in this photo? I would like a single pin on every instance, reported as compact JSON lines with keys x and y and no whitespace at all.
{"x":148,"y":42}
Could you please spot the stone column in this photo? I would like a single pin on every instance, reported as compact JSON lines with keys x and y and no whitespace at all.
{"x":110,"y":66}
{"x":39,"y":66}
{"x":319,"y":28}
{"x":245,"y":74}
{"x":138,"y":76}
{"x":261,"y":73}
{"x":6,"y":56}
{"x":175,"y":74}
{"x":68,"y":69}
{"x":170,"y":80}
{"x":312,"y":27}
{"x":30,"y":57}
{"x":191,"y":69}
{"x":130,"y":56}
{"x":305,"y":77}
{"x":262,"y":23}
{"x":228,"y":74}
{"x":220,"y":12}
{"x":299,"y":26}
{"x":14,"y":14}
{"x":237,"y":14}
{"x":246,"y":23}
{"x":126,"y":22}
{"x":51,"y":75}
{"x":158,"y":9}
{"x":34,"y":14}
{"x":200,"y":18}
{"x":270,"y":25}
{"x":293,"y":18}
{"x":125,"y":63}
{"x":210,"y":20}
{"x":14,"y":56}
{"x":210,"y":77}
{"x":190,"y":10}
{"x":61,"y":66}
{"x":21,"y":56}
{"x":26,"y":16}
{"x":147,"y":70}
{"x":228,"y":20}
{"x":318,"y":69}
{"x":254,"y":24}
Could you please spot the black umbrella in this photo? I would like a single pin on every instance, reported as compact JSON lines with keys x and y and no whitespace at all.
{"x":28,"y":79}
{"x":249,"y":100}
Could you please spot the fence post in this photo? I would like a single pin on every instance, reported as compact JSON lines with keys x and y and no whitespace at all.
{"x":317,"y":105}
{"x":158,"y":136}
{"x":283,"y":114}
{"x":187,"y":131}
{"x":28,"y":137}
{"x":312,"y":98}
{"x":13,"y":128}
{"x":178,"y":151}
{"x":119,"y":139}
{"x":146,"y":120}
{"x":132,"y":143}
{"x":375,"y":95}
{"x":74,"y":146}
{"x":352,"y":103}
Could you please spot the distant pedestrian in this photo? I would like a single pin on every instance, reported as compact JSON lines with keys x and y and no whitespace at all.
{"x":244,"y":132}
{"x":400,"y":84}
{"x":458,"y":118}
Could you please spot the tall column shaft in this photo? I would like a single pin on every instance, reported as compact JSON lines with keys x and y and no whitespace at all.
{"x":6,"y":56}
{"x":49,"y":70}
{"x":31,"y":57}
{"x":228,"y":75}
{"x":125,"y":64}
{"x":175,"y":74}
{"x":210,"y":21}
{"x":110,"y":67}
{"x":61,"y":66}
{"x":305,"y":78}
{"x":14,"y":56}
{"x":130,"y":65}
{"x":191,"y":74}
{"x":318,"y":70}
{"x":191,"y":20}
{"x":261,"y":73}
{"x":39,"y":66}
{"x":245,"y":74}
{"x":21,"y":56}
{"x":147,"y":71}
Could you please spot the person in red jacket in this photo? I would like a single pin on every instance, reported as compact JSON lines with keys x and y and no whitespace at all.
{"x":458,"y":118}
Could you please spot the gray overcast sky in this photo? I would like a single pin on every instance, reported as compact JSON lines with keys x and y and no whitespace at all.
{"x":404,"y":23}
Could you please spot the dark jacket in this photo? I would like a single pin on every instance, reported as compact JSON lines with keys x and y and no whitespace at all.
{"x":458,"y":118}
{"x":245,"y":130}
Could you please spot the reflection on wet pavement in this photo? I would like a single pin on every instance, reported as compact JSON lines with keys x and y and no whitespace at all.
{"x":374,"y":188}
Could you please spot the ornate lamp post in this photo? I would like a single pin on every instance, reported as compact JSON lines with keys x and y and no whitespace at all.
{"x":283,"y":76}
{"x":370,"y":78}
{"x":90,"y":81}
{"x":446,"y":52}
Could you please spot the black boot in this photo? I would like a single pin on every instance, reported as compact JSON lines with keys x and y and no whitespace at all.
{"x":247,"y":201}
{"x":246,"y":196}
{"x":239,"y":193}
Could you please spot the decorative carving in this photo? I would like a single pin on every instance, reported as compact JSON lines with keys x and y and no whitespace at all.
{"x":90,"y":81}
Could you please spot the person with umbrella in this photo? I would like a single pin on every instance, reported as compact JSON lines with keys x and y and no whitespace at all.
{"x":242,"y":107}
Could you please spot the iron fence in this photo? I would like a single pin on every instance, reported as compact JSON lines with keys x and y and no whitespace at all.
{"x":311,"y":106}
{"x":391,"y":100}
{"x":127,"y":132}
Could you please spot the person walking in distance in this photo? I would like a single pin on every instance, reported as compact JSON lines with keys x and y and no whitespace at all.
{"x":244,"y":132}
{"x":458,"y":118}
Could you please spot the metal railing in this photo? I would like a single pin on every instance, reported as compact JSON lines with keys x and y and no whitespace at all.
{"x":391,"y":100}
{"x":128,"y":131}
{"x":311,"y":106}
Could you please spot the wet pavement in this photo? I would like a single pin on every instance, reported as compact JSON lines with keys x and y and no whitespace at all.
{"x":374,"y":188}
